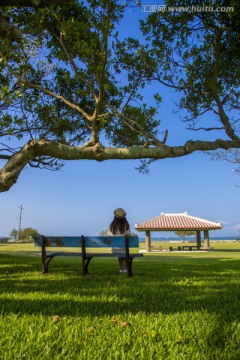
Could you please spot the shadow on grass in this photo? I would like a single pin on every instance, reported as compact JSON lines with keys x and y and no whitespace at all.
{"x":228,"y":250}
{"x":166,"y":285}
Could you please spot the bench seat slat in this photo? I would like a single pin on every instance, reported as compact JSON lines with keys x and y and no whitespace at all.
{"x":112,"y":255}
{"x":63,"y":253}
{"x":89,"y":254}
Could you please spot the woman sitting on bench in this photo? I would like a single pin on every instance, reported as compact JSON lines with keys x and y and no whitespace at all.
{"x":120,"y":226}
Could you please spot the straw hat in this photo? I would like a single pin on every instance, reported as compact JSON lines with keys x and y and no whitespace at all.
{"x":120,"y":213}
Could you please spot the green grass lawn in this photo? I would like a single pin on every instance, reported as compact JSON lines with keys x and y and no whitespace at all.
{"x":177,"y":306}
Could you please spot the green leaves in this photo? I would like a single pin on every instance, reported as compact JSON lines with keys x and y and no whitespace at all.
{"x":196,"y":56}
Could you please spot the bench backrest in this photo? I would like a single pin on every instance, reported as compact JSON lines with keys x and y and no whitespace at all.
{"x":58,"y":241}
{"x":90,"y":241}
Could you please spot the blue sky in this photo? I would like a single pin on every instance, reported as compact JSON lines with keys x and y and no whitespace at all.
{"x":80,"y":199}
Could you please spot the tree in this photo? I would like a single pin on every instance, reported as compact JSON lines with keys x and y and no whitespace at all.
{"x":73,"y":89}
{"x":182,"y":234}
{"x":14,"y":233}
{"x":103,"y":232}
{"x":29,"y":233}
{"x":26,"y":234}
{"x":197,"y":53}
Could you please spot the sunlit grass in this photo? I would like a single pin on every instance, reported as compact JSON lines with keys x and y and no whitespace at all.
{"x":177,"y":306}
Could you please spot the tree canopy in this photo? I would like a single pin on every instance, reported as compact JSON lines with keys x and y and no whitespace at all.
{"x":33,"y":3}
{"x":72,"y":88}
{"x":7,"y":29}
{"x":183,"y":234}
{"x":26,"y":233}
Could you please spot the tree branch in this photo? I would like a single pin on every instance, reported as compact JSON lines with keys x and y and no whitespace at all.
{"x":137,"y":129}
{"x":74,"y":67}
{"x":11,"y":171}
{"x":59,"y":97}
{"x":223,"y":117}
{"x":206,"y":129}
{"x":5,"y":157}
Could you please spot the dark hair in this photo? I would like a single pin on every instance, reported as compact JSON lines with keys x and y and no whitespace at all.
{"x":119,"y":225}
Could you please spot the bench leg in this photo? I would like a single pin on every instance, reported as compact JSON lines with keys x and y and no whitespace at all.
{"x":44,"y":268}
{"x":45,"y":264}
{"x":85,"y":265}
{"x":129,"y":265}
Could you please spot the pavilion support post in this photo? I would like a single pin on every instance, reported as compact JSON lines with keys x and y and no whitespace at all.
{"x":198,"y":233}
{"x":148,"y":240}
{"x":206,"y":240}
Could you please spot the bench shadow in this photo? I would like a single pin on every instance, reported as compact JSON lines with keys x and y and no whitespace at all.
{"x":160,"y":285}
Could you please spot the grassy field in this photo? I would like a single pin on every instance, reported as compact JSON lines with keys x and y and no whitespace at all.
{"x":177,"y":306}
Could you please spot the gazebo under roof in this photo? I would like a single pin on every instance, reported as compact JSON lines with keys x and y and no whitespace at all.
{"x":178,"y":222}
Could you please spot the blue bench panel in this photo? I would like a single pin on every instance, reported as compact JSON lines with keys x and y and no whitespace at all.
{"x":90,"y":241}
{"x":110,"y":241}
{"x":59,"y":241}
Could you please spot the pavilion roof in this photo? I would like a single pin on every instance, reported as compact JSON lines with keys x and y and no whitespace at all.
{"x":177,"y":222}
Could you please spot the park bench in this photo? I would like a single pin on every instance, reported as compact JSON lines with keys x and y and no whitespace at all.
{"x":190,"y":247}
{"x":184,"y":247}
{"x":154,"y":248}
{"x":86,"y":245}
